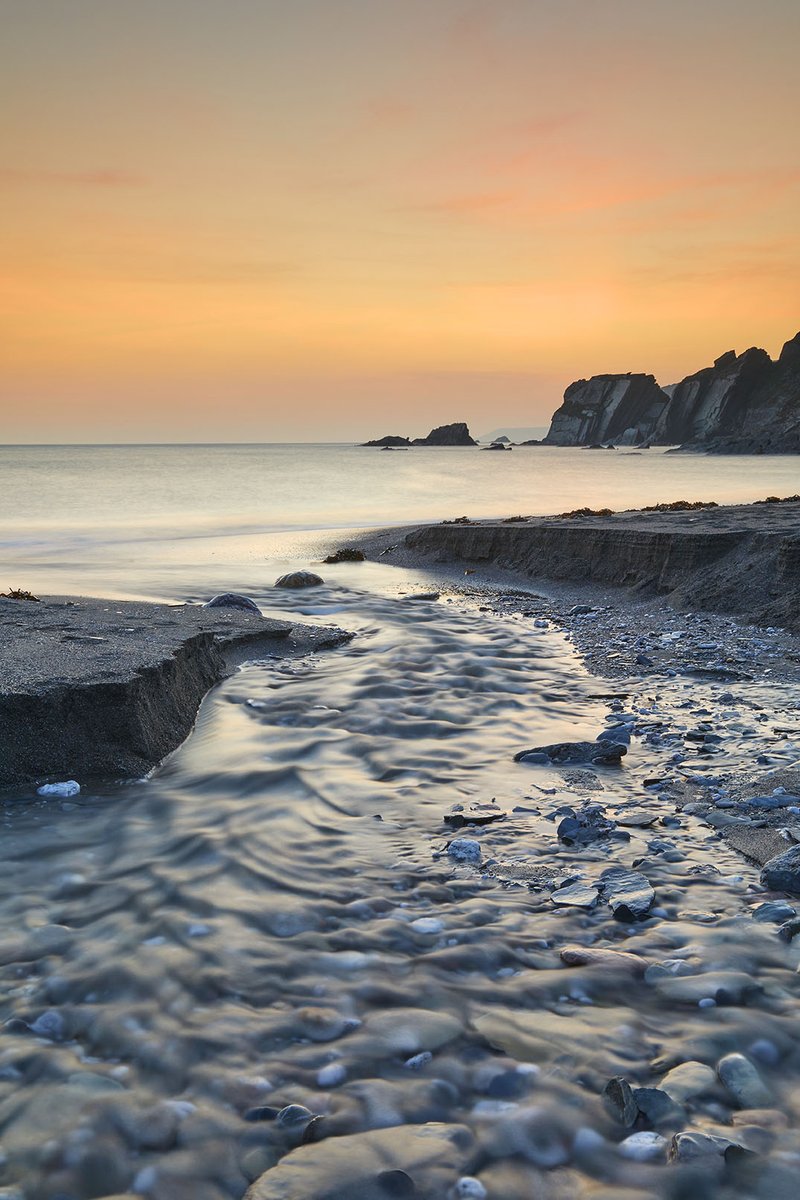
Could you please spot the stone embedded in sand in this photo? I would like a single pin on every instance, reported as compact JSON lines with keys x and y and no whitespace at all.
{"x":299,"y":579}
{"x":359,"y":1165}
{"x":232,"y":600}
{"x":628,"y":893}
{"x":566,"y":753}
{"x":782,"y":873}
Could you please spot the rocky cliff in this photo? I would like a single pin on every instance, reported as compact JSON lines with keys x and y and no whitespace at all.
{"x":608,"y":408}
{"x":743,"y":404}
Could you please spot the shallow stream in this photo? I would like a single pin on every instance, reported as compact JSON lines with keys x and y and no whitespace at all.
{"x":272,"y":919}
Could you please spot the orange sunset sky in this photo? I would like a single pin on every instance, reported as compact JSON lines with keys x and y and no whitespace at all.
{"x":334,"y":219}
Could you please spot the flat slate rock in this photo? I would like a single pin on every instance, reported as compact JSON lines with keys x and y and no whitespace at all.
{"x":570,"y":753}
{"x":628,"y":893}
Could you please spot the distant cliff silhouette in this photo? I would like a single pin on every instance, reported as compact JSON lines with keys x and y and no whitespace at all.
{"x":743,"y":404}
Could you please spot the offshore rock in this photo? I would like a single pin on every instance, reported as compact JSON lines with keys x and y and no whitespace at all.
{"x":391,"y":439}
{"x":619,"y":408}
{"x":456,"y":434}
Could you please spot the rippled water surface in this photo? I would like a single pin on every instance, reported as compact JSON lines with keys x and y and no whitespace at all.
{"x":270,"y":920}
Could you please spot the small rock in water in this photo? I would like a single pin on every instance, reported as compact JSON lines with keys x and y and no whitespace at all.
{"x":232,"y":600}
{"x":331,"y":1075}
{"x":465,"y":850}
{"x":417,"y":1061}
{"x":619,"y":1101}
{"x":473,"y":814}
{"x":69,"y":787}
{"x":782,"y":873}
{"x":299,"y":579}
{"x":580,"y":956}
{"x":659,"y":1108}
{"x":646,"y":1146}
{"x":618,"y":734}
{"x":743,"y":1081}
{"x":469,"y":1188}
{"x":563,"y":753}
{"x":690,"y":1146}
{"x":776,"y":911}
{"x":577,"y":895}
{"x":50,"y":1025}
{"x":628,"y":893}
{"x":585,"y":825}
{"x":427,"y":925}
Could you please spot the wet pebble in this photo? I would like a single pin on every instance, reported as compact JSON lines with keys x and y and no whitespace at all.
{"x":465,"y":850}
{"x":743,"y":1081}
{"x":645,"y":1146}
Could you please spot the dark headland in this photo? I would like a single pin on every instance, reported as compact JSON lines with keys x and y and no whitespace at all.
{"x":104,"y":688}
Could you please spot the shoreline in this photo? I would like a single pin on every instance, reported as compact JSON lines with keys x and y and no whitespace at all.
{"x":743,"y":560}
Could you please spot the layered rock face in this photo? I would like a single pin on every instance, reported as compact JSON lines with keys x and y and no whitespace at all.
{"x":620,"y":408}
{"x":743,"y":404}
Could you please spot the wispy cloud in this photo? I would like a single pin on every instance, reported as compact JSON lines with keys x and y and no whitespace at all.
{"x":104,"y":178}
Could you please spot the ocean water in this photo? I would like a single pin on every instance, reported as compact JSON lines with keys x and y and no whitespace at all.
{"x":142,"y":520}
{"x":271,"y":918}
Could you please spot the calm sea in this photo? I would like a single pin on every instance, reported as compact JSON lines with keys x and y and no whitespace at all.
{"x":145,"y":520}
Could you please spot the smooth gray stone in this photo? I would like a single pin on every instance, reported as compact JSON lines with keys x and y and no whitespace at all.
{"x":299,"y":579}
{"x":232,"y":600}
{"x":577,"y":895}
{"x":743,"y":1082}
{"x":782,"y":873}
